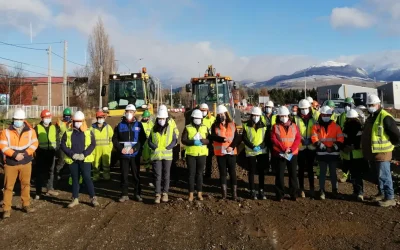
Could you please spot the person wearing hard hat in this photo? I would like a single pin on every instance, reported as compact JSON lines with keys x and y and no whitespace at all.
{"x":105,"y":110}
{"x":254,"y":138}
{"x":78,"y":146}
{"x":294,"y":112}
{"x":103,"y":134}
{"x":195,"y":139}
{"x":161,"y":141}
{"x":48,"y":137}
{"x":305,"y":121}
{"x":380,"y":135}
{"x":62,"y":126}
{"x":128,"y":138}
{"x":18,"y":143}
{"x":332,"y":106}
{"x":315,"y":110}
{"x":208,"y":121}
{"x":286,"y":138}
{"x":173,"y":125}
{"x":328,"y":139}
{"x":148,"y":125}
{"x":269,"y":120}
{"x":310,"y":99}
{"x":352,"y":153}
{"x":348,"y":104}
{"x":225,"y":140}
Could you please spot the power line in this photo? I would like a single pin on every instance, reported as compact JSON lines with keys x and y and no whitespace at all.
{"x":23,"y":69}
{"x":68,"y":60}
{"x":19,"y":44}
{"x":22,"y":47}
{"x":28,"y":64}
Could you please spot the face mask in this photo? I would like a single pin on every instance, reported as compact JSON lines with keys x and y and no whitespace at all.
{"x":326,"y":119}
{"x":347,"y":108}
{"x":305,"y":111}
{"x":372,"y":109}
{"x":197,"y":121}
{"x":129,"y":116}
{"x":204,"y":113}
{"x":78,"y":124}
{"x":100,"y":121}
{"x":222,"y":118}
{"x":18,"y":124}
{"x":256,"y":119}
{"x":268,"y":110}
{"x":46,"y":121}
{"x":284,"y":119}
{"x":161,"y":122}
{"x":145,"y":120}
{"x":294,"y":113}
{"x":67,"y":118}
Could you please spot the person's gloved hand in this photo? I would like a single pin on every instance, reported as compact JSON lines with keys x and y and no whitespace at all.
{"x":75,"y":157}
{"x":322,"y":146}
{"x":256,"y":149}
{"x":81,"y":157}
{"x":336,"y":147}
{"x":197,"y":143}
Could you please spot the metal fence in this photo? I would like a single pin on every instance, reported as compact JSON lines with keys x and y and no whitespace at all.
{"x":32,"y":111}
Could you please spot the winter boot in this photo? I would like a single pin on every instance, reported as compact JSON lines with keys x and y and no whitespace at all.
{"x":28,"y":209}
{"x":223,"y":190}
{"x":6,"y":214}
{"x":137,"y":198}
{"x":73,"y":203}
{"x":52,"y":192}
{"x":387,"y":203}
{"x":200,"y":196}
{"x":321,"y":195}
{"x":124,"y":198}
{"x":157,"y":200}
{"x":164,"y":197}
{"x":302,"y":194}
{"x":94,"y":202}
{"x":261,"y":195}
{"x":234,"y":192}
{"x":191,"y":197}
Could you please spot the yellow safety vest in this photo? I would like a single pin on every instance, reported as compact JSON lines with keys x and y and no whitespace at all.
{"x":208,"y":121}
{"x":148,"y":126}
{"x":305,"y":131}
{"x":162,"y":141}
{"x":172,"y":124}
{"x":256,"y":138}
{"x":379,"y":139}
{"x":103,"y":137}
{"x":88,"y":141}
{"x":196,"y":150}
{"x":315,"y":114}
{"x":47,"y":140}
{"x":264,"y":120}
{"x":63,"y":127}
{"x":341,"y":120}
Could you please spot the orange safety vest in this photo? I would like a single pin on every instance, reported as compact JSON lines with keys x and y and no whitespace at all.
{"x":229,"y":134}
{"x":328,"y":138}
{"x":286,"y":138}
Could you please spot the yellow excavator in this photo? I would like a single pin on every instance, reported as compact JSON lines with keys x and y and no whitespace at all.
{"x":131,"y":88}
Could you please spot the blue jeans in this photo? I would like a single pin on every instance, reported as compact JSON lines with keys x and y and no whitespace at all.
{"x":385,"y":183}
{"x":323,"y":166}
{"x":83,"y":168}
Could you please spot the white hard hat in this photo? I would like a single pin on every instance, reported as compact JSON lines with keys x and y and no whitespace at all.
{"x":204,"y":106}
{"x":351,"y":114}
{"x":373,"y":99}
{"x":361,"y":107}
{"x":221,"y":109}
{"x":304,"y":104}
{"x":309,"y":99}
{"x":197,"y":114}
{"x":162,"y":113}
{"x":130,"y":107}
{"x":269,"y":104}
{"x":105,"y":109}
{"x":283,"y":111}
{"x":19,"y":114}
{"x":256,"y":111}
{"x":325,"y":110}
{"x":78,"y":116}
{"x":163,"y":107}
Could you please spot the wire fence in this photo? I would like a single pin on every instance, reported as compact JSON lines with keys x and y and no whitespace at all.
{"x":32,"y":111}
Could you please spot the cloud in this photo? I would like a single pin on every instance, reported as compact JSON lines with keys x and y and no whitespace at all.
{"x":350,"y":18}
{"x":374,"y":61}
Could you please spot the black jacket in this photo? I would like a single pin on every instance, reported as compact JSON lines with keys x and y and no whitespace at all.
{"x":119,"y":137}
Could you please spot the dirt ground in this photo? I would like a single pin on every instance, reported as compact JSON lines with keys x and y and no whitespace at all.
{"x":211,"y":224}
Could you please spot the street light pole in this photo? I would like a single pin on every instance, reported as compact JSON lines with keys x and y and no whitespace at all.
{"x":101,"y":85}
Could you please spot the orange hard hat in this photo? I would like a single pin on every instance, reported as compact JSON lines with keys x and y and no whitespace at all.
{"x":45,"y":113}
{"x":100,"y":114}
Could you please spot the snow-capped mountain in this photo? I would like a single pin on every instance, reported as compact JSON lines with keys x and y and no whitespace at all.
{"x":390,"y":73}
{"x":324,"y":72}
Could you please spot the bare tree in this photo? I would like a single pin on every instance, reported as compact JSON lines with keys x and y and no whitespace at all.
{"x":101,"y":53}
{"x":80,"y":88}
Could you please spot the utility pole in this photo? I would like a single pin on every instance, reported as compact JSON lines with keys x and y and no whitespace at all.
{"x":305,"y":85}
{"x":64,"y":87}
{"x":49,"y":81}
{"x":101,"y":85}
{"x":171,"y":98}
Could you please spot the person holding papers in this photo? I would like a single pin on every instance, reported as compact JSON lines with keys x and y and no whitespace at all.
{"x":225,"y":141}
{"x":128,"y":138}
{"x":254,"y":138}
{"x":286,"y":138}
{"x":195,"y":139}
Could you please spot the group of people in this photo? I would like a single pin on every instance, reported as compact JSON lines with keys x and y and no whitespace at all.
{"x":285,"y":140}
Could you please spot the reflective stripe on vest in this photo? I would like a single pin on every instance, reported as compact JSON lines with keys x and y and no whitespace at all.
{"x":287,"y":138}
{"x":88,"y":141}
{"x":101,"y":138}
{"x":329,"y":137}
{"x":305,"y":131}
{"x":256,"y":138}
{"x":20,"y":148}
{"x":229,"y":134}
{"x":162,"y":141}
{"x":47,"y":140}
{"x":124,"y":127}
{"x":196,"y":150}
{"x":379,"y":139}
